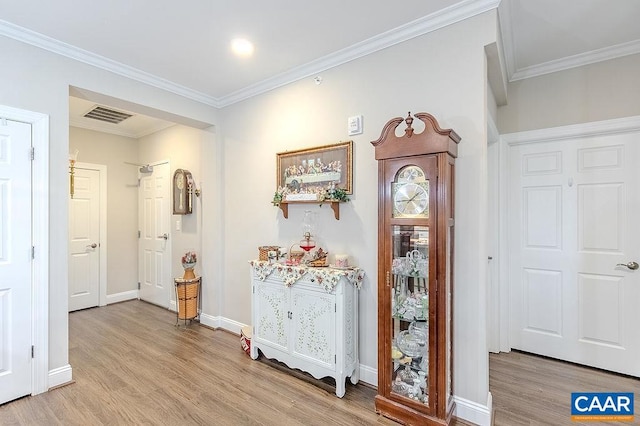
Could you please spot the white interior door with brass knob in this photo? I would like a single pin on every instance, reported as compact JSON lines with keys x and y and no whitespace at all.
{"x":574,"y":241}
{"x":84,"y":240}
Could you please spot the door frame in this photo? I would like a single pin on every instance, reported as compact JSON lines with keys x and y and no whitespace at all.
{"x":509,"y":140}
{"x":498,"y":294}
{"x":102,"y":224}
{"x":40,"y":241}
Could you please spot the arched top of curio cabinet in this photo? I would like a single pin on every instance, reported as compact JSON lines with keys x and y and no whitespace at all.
{"x":431,"y":140}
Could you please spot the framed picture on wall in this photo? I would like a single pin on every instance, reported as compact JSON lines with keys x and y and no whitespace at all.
{"x":313,"y":170}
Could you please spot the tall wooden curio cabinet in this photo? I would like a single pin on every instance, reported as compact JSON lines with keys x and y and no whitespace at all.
{"x":415,"y":270}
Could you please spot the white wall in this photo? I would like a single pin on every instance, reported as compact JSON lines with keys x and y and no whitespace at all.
{"x":595,"y":92}
{"x":122,"y":223}
{"x":443,"y":73}
{"x":37,"y":80}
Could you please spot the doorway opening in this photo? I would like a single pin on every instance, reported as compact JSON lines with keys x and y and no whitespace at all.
{"x":134,"y":151}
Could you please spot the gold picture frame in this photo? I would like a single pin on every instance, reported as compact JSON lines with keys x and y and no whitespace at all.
{"x":311,"y":170}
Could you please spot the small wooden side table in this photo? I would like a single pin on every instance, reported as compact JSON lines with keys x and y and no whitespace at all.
{"x":187,"y":298}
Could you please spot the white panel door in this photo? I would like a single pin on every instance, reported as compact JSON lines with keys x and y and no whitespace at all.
{"x":84,"y":240}
{"x":154,"y":251}
{"x":574,"y":211}
{"x":15,"y":260}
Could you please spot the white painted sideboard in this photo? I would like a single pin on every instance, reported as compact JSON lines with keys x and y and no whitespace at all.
{"x":307,"y":318}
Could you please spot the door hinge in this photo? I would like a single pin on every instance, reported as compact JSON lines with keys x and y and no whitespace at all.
{"x":33,"y":351}
{"x":253,"y":289}
{"x":33,"y":252}
{"x":335,"y":359}
{"x":33,"y":153}
{"x":139,"y":233}
{"x":335,"y":307}
{"x":138,"y":285}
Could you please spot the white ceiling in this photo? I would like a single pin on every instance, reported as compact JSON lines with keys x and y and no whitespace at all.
{"x":543,"y":36}
{"x":184,"y":46}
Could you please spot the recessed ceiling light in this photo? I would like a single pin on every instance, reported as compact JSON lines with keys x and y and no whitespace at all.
{"x":242,"y":47}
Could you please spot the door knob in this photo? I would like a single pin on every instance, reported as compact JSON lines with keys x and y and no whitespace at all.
{"x":92,"y":246}
{"x":164,"y":236}
{"x":631,"y":265}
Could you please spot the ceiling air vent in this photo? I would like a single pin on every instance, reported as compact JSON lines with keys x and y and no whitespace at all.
{"x":108,"y":115}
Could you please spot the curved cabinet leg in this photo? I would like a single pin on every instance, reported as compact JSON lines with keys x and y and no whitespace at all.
{"x":253,"y":352}
{"x":340,"y":386}
{"x":355,"y":377}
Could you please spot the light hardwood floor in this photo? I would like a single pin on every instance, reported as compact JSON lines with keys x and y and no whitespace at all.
{"x":132,"y":366}
{"x":533,"y":390}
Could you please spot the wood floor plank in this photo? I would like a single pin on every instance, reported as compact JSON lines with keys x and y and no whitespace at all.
{"x":533,"y":390}
{"x":132,"y":366}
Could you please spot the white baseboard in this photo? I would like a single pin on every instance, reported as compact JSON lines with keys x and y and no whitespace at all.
{"x":60,"y":376}
{"x":121,"y":297}
{"x":369,"y":375}
{"x":221,"y":322}
{"x":217,"y":322}
{"x":473,"y":412}
{"x":209,"y":320}
{"x":231,"y":325}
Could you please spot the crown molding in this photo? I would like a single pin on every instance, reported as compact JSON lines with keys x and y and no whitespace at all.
{"x":592,"y":57}
{"x":42,"y":41}
{"x":447,"y":16}
{"x":450,"y":15}
{"x":421,"y":26}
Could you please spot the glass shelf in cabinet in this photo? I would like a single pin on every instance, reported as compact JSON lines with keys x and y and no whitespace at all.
{"x":417,"y":367}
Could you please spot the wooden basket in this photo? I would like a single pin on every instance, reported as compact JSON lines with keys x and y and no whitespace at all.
{"x":187,"y":300}
{"x":318,"y":262}
{"x":264,"y":252}
{"x":296,"y":255}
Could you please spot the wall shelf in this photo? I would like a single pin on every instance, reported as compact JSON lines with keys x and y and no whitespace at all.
{"x":335,"y":206}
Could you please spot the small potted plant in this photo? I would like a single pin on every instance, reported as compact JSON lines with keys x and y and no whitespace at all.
{"x":189,"y":260}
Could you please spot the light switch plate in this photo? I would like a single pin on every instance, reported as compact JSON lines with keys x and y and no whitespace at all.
{"x":354,"y":125}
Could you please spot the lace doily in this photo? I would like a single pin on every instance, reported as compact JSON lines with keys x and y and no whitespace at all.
{"x":326,"y":277}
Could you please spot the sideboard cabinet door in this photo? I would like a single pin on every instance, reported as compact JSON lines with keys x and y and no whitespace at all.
{"x":314,"y":324}
{"x":271,"y":305}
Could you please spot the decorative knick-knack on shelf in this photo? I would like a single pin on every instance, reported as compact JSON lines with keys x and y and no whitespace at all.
{"x":188,"y":263}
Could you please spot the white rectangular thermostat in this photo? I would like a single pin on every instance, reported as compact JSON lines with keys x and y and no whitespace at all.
{"x":354,"y":125}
